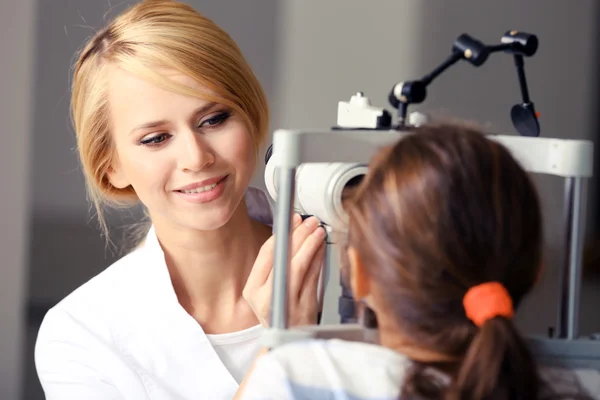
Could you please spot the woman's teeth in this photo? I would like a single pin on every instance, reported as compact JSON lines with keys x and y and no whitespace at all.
{"x":200,"y":189}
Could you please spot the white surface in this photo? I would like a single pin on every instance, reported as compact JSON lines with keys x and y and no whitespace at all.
{"x":558,"y":157}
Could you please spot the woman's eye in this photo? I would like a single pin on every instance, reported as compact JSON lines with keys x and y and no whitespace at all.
{"x":154,"y":140}
{"x":216,"y":120}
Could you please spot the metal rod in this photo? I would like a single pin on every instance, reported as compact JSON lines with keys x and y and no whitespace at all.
{"x":500,"y":47}
{"x":520,"y":64}
{"x":576,"y":258}
{"x":325,"y":274}
{"x":563,"y":279}
{"x":283,"y":224}
{"x":571,"y":274}
{"x":452,"y":59}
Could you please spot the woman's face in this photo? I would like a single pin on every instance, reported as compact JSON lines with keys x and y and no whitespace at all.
{"x":189,"y":161}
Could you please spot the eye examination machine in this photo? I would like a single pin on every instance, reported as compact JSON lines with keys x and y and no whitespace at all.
{"x":303,"y":175}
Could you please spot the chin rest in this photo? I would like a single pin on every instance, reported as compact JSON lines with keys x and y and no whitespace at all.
{"x":560,"y":360}
{"x":349,"y":332}
{"x":571,"y":354}
{"x":582,"y":353}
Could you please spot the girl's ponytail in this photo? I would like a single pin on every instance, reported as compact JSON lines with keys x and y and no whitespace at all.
{"x":498,"y":363}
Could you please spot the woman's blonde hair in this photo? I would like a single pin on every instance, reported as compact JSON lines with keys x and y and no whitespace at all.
{"x":150,"y":35}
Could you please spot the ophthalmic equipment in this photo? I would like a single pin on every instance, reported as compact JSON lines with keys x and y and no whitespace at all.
{"x":304,"y":175}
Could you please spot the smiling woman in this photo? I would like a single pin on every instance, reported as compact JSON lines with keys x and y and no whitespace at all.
{"x":171,"y":148}
{"x":168,"y":114}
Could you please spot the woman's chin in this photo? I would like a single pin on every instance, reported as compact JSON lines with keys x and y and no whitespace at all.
{"x":211,"y":216}
{"x":211,"y":222}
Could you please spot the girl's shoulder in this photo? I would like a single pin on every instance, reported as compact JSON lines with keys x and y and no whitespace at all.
{"x":336,"y":368}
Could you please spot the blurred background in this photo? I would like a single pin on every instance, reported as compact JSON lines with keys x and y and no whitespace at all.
{"x":308,"y":54}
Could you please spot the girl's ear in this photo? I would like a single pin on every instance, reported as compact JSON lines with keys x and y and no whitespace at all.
{"x":359,"y":280}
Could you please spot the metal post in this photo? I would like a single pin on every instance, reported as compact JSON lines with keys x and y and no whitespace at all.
{"x":331,"y":289}
{"x":325,"y":273}
{"x":571,"y":275}
{"x":283,"y":238}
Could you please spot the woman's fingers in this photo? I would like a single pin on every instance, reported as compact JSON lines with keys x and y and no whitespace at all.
{"x":311,"y":281}
{"x":296,"y":222}
{"x":307,"y":252}
{"x":302,"y":235}
{"x":303,"y":300}
{"x":263,"y":266}
{"x":302,"y":232}
{"x":302,"y":261}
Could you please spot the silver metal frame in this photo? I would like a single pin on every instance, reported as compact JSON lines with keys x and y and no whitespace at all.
{"x":569,"y":159}
{"x":570,"y":277}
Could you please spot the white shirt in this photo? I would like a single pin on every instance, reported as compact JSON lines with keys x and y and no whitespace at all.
{"x":342,"y":370}
{"x":124,"y":335}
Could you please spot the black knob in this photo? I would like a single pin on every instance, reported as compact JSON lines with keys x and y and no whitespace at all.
{"x":471,"y":49}
{"x":523,"y":43}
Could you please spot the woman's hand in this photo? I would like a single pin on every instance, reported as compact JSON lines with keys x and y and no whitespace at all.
{"x":307,"y":253}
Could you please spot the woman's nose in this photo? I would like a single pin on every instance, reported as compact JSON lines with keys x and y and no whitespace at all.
{"x":195,"y":154}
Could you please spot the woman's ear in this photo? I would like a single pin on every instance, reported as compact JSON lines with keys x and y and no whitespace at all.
{"x":359,"y":280}
{"x":117,"y":177}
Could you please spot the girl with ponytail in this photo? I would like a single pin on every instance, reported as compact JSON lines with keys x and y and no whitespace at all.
{"x":444,"y":242}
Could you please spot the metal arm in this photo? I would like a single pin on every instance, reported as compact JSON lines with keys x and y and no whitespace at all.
{"x":467,"y":48}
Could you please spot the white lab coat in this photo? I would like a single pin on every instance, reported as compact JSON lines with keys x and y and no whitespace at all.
{"x":124,"y":335}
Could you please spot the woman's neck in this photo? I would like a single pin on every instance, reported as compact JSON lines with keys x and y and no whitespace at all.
{"x":209,"y":269}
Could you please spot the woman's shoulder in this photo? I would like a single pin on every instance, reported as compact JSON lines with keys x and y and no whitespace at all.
{"x":331,"y":367}
{"x":85,"y":338}
{"x":99,"y":302}
{"x":106,"y":286}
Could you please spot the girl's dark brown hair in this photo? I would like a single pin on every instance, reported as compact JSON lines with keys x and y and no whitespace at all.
{"x":440,"y":211}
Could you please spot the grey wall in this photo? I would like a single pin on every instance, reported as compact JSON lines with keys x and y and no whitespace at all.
{"x":349,"y":46}
{"x":16,"y":19}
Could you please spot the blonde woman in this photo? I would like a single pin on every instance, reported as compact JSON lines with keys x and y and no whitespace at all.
{"x":168,"y":113}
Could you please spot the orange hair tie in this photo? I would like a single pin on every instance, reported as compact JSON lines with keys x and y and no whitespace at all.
{"x":486,"y":301}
